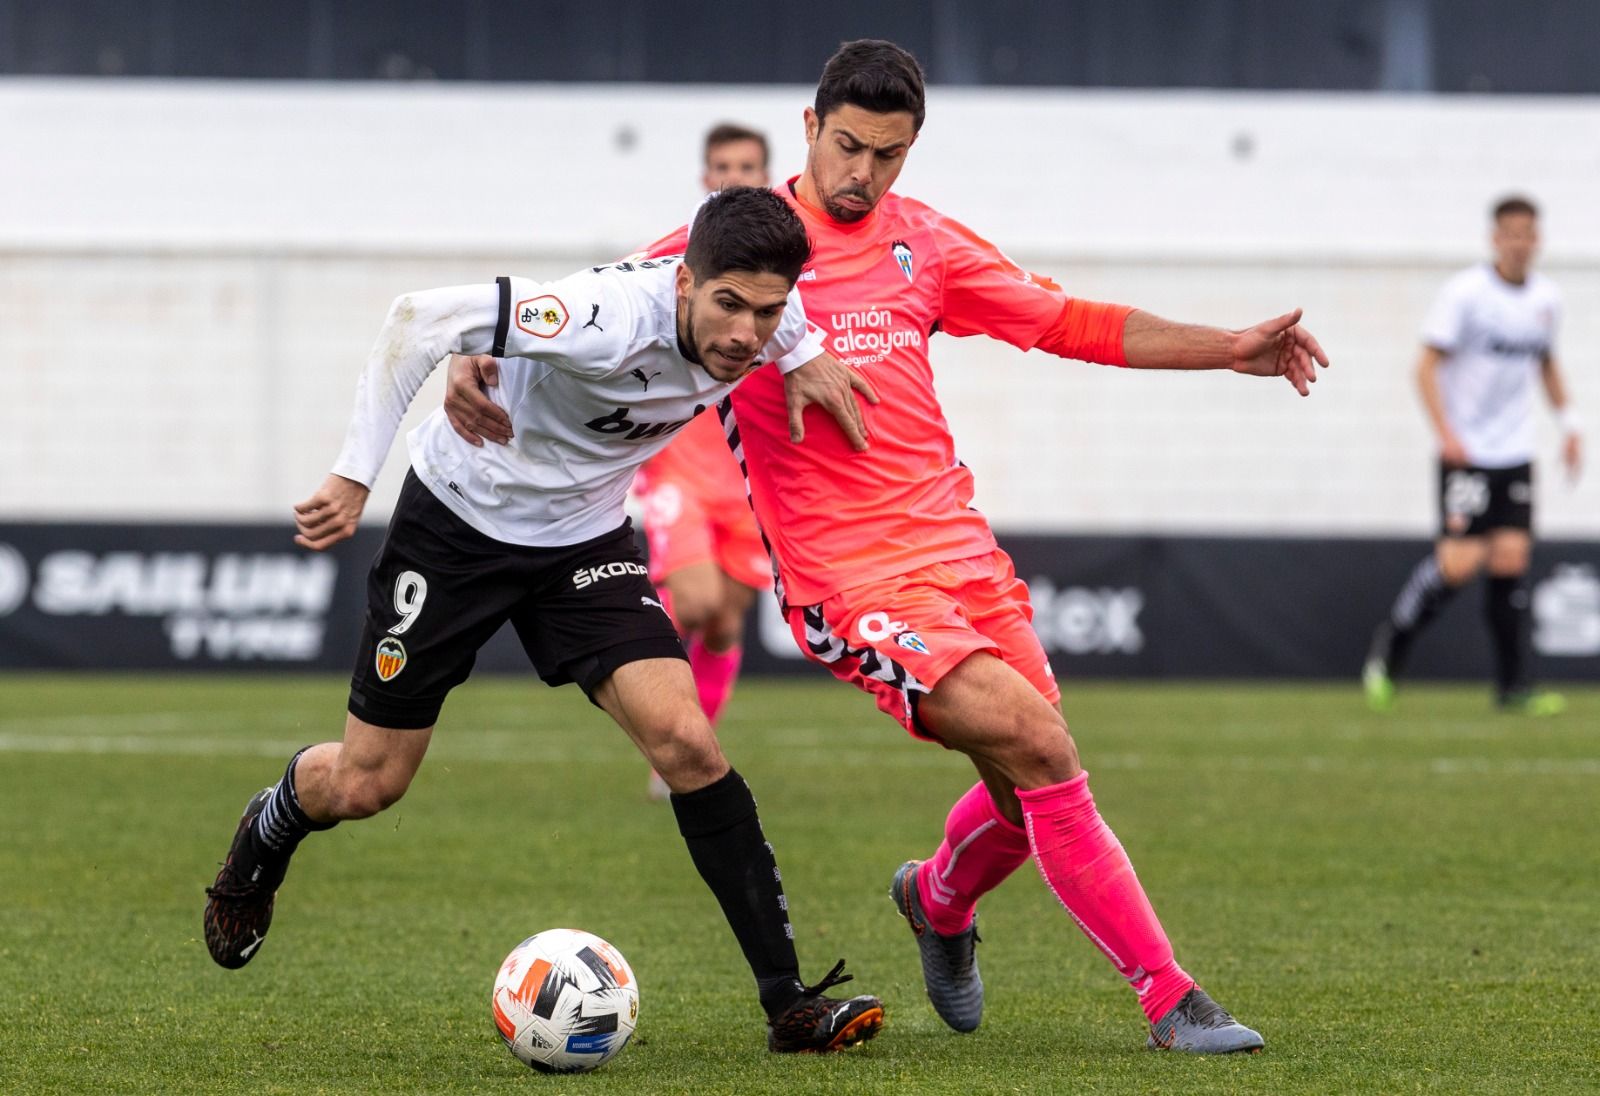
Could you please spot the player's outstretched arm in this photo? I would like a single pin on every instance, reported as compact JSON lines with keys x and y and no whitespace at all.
{"x":830,"y":384}
{"x":1278,"y":347}
{"x":331,"y":514}
{"x":472,"y":414}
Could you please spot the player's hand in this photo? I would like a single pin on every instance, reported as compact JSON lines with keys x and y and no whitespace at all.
{"x":472,"y":414}
{"x":1572,"y":455}
{"x":830,"y":384}
{"x":1280,"y":348}
{"x":1452,"y":454}
{"x":330,"y":515}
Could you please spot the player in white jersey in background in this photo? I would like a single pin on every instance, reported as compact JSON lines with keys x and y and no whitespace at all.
{"x":1489,"y":338}
{"x":601,"y":369}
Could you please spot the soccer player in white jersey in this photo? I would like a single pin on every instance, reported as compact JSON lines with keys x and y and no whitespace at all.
{"x":600,"y":370}
{"x":1488,"y":340}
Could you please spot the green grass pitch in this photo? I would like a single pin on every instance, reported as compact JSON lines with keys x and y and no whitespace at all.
{"x":1401,"y":903}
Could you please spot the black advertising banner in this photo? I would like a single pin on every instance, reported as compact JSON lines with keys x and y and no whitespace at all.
{"x":1267,"y":607}
{"x":237,"y":597}
{"x":204,"y":597}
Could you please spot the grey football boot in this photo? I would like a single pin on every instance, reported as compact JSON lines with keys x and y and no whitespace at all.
{"x":949,"y":963}
{"x":1199,"y":1025}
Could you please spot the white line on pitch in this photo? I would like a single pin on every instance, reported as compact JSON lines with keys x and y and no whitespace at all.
{"x":116,"y":723}
{"x":499,"y":747}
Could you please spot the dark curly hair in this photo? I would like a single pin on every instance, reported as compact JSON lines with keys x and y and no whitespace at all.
{"x":747,"y":228}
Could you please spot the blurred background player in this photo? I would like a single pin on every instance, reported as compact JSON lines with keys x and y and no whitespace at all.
{"x":735,"y":155}
{"x":706,"y":554}
{"x":1490,"y":334}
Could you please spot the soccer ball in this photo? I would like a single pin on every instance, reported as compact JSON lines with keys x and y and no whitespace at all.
{"x":565,"y":1001}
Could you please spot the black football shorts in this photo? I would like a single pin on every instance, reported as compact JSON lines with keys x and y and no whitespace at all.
{"x":439,"y":589}
{"x":1472,"y":501}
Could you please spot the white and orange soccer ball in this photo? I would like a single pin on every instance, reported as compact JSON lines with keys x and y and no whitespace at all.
{"x":565,"y":1001}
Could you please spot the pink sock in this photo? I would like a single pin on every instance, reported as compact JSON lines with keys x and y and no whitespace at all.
{"x":981,"y":847}
{"x":714,"y":675}
{"x":1085,"y":865}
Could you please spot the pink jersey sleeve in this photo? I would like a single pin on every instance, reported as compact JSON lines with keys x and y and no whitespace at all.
{"x":985,"y":293}
{"x":673,"y":243}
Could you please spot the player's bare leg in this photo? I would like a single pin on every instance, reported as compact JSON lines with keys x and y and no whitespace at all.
{"x":654,"y":702}
{"x":366,"y":773}
{"x":1453,"y":563}
{"x":716,"y":650}
{"x":1508,"y":611}
{"x":1461,"y":559}
{"x":1030,"y":769}
{"x":709,"y":608}
{"x":322,"y":785}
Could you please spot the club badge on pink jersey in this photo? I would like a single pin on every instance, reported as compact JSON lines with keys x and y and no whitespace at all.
{"x":902,"y":255}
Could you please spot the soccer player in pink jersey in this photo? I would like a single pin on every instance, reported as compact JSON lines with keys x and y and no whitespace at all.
{"x":706,"y":554}
{"x":895,"y":583}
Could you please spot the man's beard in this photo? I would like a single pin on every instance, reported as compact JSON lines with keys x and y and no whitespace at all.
{"x":847,"y":216}
{"x":686,"y":335}
{"x":689,"y":346}
{"x":839,"y":212}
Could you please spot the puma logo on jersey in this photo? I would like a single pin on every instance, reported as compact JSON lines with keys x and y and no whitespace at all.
{"x":593,"y":316}
{"x":644,"y":380}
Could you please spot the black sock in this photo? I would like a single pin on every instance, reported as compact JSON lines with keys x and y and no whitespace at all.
{"x":720,"y":826}
{"x":1507,"y":608}
{"x":282,"y":824}
{"x":1419,"y":601}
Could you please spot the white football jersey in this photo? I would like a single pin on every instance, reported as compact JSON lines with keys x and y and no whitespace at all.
{"x":591,"y":376}
{"x":1495,"y":337}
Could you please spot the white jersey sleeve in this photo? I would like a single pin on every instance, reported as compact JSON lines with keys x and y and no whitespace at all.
{"x":515,"y":317}
{"x":1442,"y":327}
{"x":796,"y":341}
{"x":421,"y":328}
{"x":533,"y":320}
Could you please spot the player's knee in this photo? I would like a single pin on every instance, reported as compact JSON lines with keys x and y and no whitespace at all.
{"x":1509,"y":561}
{"x":685,"y":751}
{"x":1039,"y":750}
{"x":722,"y":630}
{"x":364,"y":793}
{"x":1458,"y":568}
{"x":691,"y":612}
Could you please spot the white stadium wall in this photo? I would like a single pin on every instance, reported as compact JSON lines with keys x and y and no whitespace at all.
{"x":191,"y":274}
